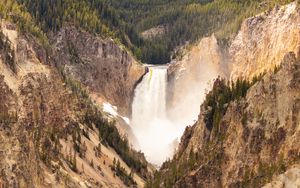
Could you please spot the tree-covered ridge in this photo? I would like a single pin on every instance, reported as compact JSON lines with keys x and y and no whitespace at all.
{"x":12,"y":11}
{"x":52,"y":14}
{"x":186,"y":21}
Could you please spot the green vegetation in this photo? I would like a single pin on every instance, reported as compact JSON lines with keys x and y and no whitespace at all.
{"x":8,"y":52}
{"x":7,"y":118}
{"x":7,"y":115}
{"x":79,"y":147}
{"x":121,"y":172}
{"x":97,"y":150}
{"x":71,"y":159}
{"x":108,"y":133}
{"x":12,"y":11}
{"x":264,"y":173}
{"x":51,"y":15}
{"x":74,"y":56}
{"x":210,"y":157}
{"x":186,"y":20}
{"x":215,"y":106}
{"x":217,"y":100}
{"x":110,"y":136}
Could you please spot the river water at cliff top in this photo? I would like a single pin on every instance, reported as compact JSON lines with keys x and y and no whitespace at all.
{"x":155,"y":132}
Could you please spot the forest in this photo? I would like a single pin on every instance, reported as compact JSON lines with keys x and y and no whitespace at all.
{"x":186,"y":21}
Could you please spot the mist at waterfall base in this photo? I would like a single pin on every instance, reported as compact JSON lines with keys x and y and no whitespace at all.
{"x":157,"y":134}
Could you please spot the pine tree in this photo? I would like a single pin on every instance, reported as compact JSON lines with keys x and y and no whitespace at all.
{"x":92,"y":163}
{"x":74,"y":162}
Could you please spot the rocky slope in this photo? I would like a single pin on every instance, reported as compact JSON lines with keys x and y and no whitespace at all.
{"x":108,"y":71}
{"x":51,"y":133}
{"x":288,"y":179}
{"x":189,"y":77}
{"x":256,"y":138}
{"x":259,"y":46}
{"x":263,"y":40}
{"x":154,"y":32}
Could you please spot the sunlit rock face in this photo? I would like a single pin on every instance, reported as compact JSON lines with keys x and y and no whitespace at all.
{"x":190,"y":78}
{"x":39,"y":114}
{"x":109,"y":72}
{"x":268,"y":137}
{"x":260,"y":130}
{"x":263,"y":41}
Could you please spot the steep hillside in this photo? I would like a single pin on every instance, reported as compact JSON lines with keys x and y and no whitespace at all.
{"x":186,"y":21}
{"x":109,"y":72}
{"x":264,"y":39}
{"x":191,"y":76}
{"x":259,"y":46}
{"x":247,"y":141}
{"x":68,"y":70}
{"x":52,"y":134}
{"x":247,"y":131}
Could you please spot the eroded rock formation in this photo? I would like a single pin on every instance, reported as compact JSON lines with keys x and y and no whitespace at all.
{"x":107,"y":70}
{"x":49,"y":135}
{"x":257,"y":137}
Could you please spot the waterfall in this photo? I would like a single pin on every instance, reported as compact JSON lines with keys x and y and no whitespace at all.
{"x":150,"y":97}
{"x":155,"y":133}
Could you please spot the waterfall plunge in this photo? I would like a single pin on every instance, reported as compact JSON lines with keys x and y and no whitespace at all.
{"x":154,"y":131}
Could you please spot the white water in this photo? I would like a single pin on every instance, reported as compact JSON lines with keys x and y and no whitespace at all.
{"x":155,"y":133}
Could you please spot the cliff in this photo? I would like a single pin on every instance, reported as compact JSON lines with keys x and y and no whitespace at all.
{"x":252,"y":140}
{"x":263,"y":40}
{"x":255,"y":139}
{"x":51,"y":132}
{"x":191,"y":76}
{"x":258,"y":47}
{"x":109,"y":72}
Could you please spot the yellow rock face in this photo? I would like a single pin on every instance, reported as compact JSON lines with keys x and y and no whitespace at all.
{"x":263,"y":41}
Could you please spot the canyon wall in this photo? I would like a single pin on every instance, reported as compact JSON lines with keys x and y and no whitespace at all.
{"x":50,"y":130}
{"x":259,"y":46}
{"x":257,"y":137}
{"x":193,"y":75}
{"x":109,"y":72}
{"x":263,"y":40}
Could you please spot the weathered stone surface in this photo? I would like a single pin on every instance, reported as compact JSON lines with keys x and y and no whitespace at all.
{"x":189,"y":77}
{"x":264,"y":39}
{"x":262,"y":144}
{"x":106,"y":69}
{"x":41,"y":119}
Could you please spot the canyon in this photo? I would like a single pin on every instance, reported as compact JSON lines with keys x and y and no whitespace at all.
{"x":256,"y":137}
{"x":86,"y":113}
{"x":44,"y":116}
